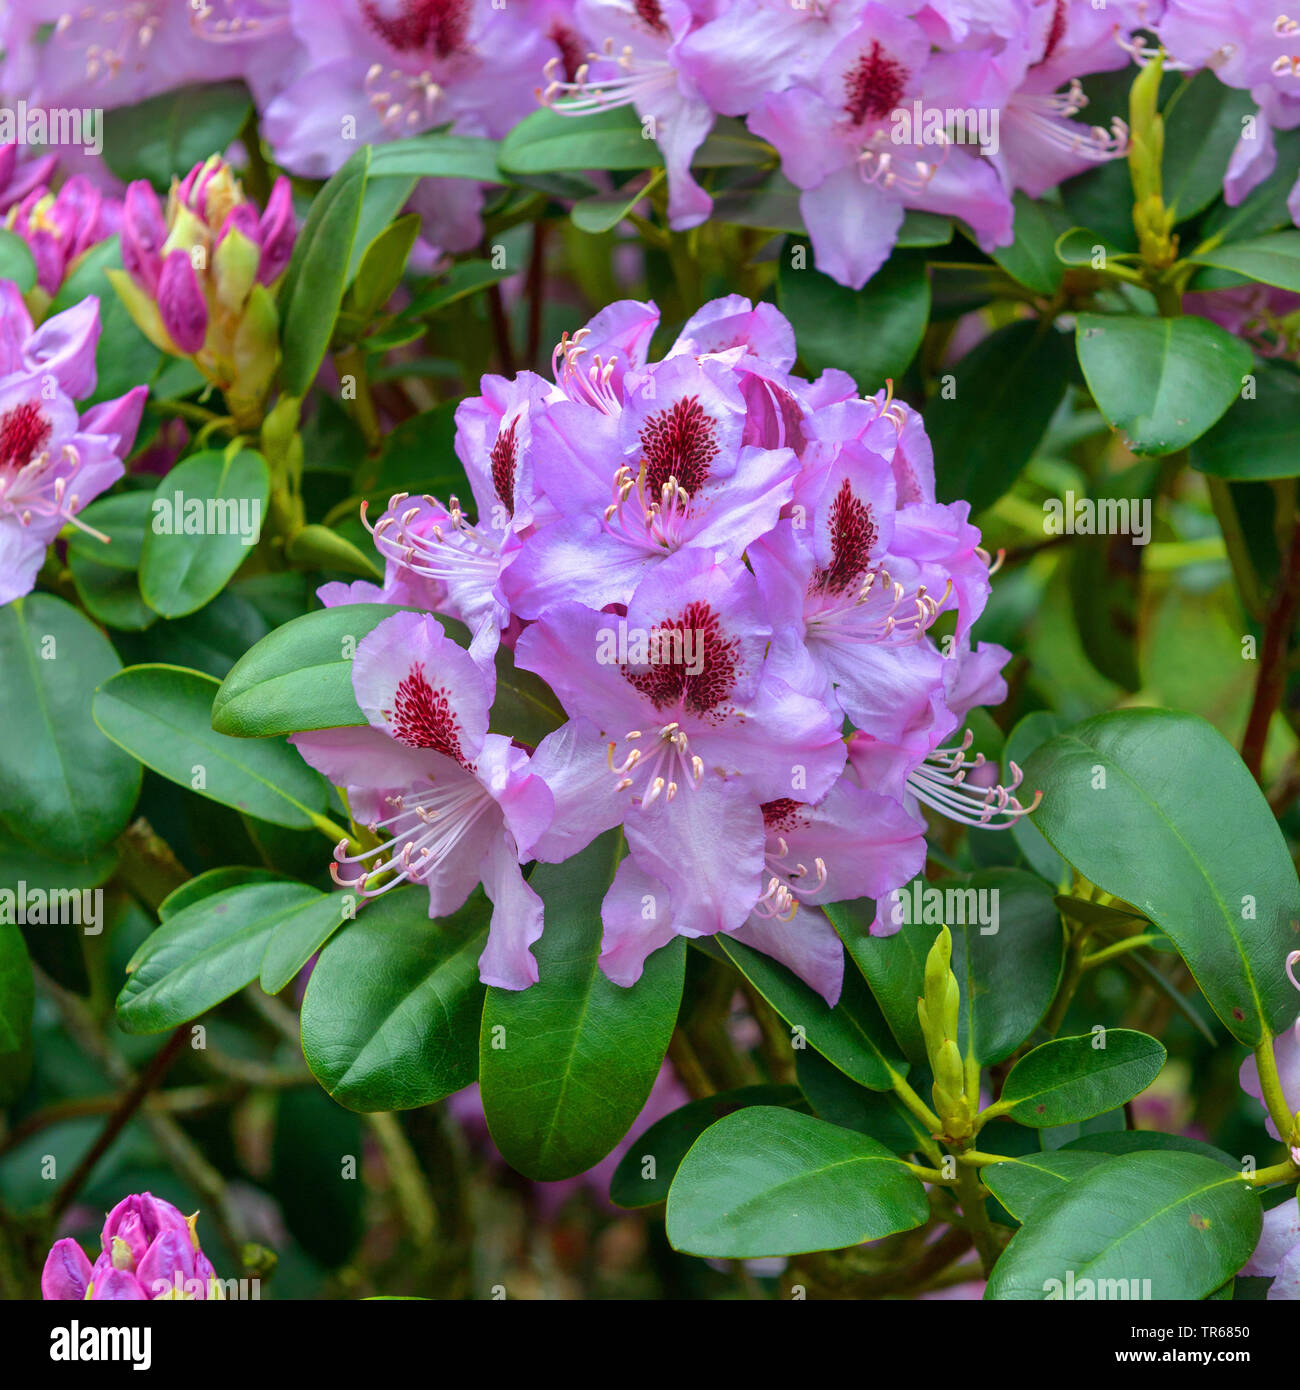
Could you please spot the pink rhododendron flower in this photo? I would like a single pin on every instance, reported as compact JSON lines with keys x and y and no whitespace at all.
{"x":450,"y":804}
{"x":53,"y":460}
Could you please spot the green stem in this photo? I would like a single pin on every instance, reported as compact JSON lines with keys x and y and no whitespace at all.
{"x":971,"y":1196}
{"x":931,"y":1121}
{"x":1131,"y":943}
{"x":1279,"y":1172}
{"x":1271,"y":1086}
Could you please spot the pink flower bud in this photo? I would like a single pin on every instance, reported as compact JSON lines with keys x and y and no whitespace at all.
{"x":143,"y":234}
{"x":279,"y":231}
{"x":67,"y":1272}
{"x":180,"y":302}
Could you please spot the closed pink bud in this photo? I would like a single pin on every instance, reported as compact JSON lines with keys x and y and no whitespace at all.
{"x":279,"y":231}
{"x":143,"y":234}
{"x":180,"y":302}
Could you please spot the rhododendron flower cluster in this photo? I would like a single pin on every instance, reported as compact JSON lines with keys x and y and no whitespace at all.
{"x":720,"y":569}
{"x":148,"y":1251}
{"x":874,"y":108}
{"x":53,"y":459}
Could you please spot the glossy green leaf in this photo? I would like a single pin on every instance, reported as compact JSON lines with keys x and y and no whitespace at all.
{"x":766,"y":1181}
{"x":647,"y":1169}
{"x":1031,"y":258}
{"x":1020,"y":1183}
{"x":566,"y":1065}
{"x":300,"y":936}
{"x":162,"y":716}
{"x":853,"y":1035}
{"x":318,"y":274}
{"x":894,"y":966}
{"x":1259,"y":437}
{"x":106,"y":575}
{"x":390,"y":1019}
{"x":1006,"y":391}
{"x":324,"y":548}
{"x":1271,"y":260}
{"x":206,"y":517}
{"x":1179,"y":1220}
{"x":299,"y":677}
{"x":214,"y":881}
{"x":438,"y":155}
{"x":1127,"y":1141}
{"x":872,"y":333}
{"x":165,"y":136}
{"x":205,"y":953}
{"x":1072,"y":1079}
{"x":1155,"y":807}
{"x":1032,"y":730}
{"x":1161,"y":382}
{"x":62,"y":783}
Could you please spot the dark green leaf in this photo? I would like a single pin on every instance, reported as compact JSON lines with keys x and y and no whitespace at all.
{"x":1072,"y":1079}
{"x":1259,"y":437}
{"x":566,"y":1065}
{"x":162,"y":716}
{"x":300,"y":676}
{"x":1178,"y":1220}
{"x":1155,"y":807}
{"x":647,"y":1169}
{"x":105,"y":575}
{"x":318,"y":274}
{"x":204,"y":953}
{"x":1031,"y":258}
{"x":300,"y":936}
{"x":1006,"y":391}
{"x":1202,"y":126}
{"x":1020,"y":1183}
{"x":164,"y":137}
{"x":872,"y":333}
{"x":207,"y":516}
{"x":765,"y":1181}
{"x":853,"y":1035}
{"x":1272,"y":260}
{"x":62,"y":783}
{"x":390,"y":1019}
{"x":1161,"y":382}
{"x":17,"y":1004}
